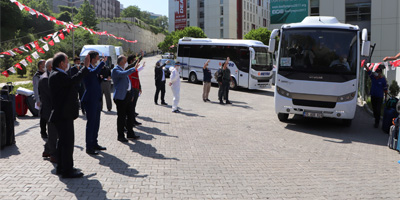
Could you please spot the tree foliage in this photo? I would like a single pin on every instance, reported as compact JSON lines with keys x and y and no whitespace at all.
{"x":260,"y":34}
{"x":173,"y":38}
{"x":87,"y":15}
{"x":134,"y":11}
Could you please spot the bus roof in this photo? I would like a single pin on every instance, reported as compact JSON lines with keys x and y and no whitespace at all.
{"x":321,"y":22}
{"x":230,"y":42}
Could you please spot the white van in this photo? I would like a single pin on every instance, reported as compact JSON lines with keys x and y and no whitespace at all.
{"x":107,"y":50}
{"x":119,"y":50}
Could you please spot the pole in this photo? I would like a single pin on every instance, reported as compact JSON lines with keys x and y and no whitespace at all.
{"x":73,"y":39}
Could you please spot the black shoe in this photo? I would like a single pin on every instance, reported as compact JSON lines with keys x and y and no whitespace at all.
{"x":228,"y":102}
{"x":155,"y":103}
{"x":109,"y":110}
{"x":100,"y":148}
{"x":204,"y":100}
{"x":74,"y":170}
{"x":137,"y":123}
{"x":45,"y":155}
{"x":176,"y":111}
{"x":73,"y":175}
{"x":122,"y":139}
{"x":44,"y":135}
{"x":136,"y":114}
{"x":83,"y":112}
{"x":133,"y":136}
{"x":208,"y":100}
{"x":163,"y":103}
{"x":91,"y":151}
{"x":221,"y":102}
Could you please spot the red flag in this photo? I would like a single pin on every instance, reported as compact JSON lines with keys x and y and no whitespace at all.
{"x":5,"y":73}
{"x":68,"y":30}
{"x":26,"y":8}
{"x":61,"y":35}
{"x":362,"y":63}
{"x":40,"y":50}
{"x":47,"y":37}
{"x":51,"y":43}
{"x":36,"y":44}
{"x":80,"y":23}
{"x":29,"y":59}
{"x":27,"y":46}
{"x":18,"y":51}
{"x":5,"y":53}
{"x":396,"y":63}
{"x":18,"y":66}
{"x":376,"y":66}
{"x":371,"y":66}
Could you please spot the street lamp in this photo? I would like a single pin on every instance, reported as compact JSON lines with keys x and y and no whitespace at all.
{"x":72,"y":18}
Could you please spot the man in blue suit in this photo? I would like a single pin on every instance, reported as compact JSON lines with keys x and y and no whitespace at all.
{"x":123,"y":98}
{"x":91,"y":101}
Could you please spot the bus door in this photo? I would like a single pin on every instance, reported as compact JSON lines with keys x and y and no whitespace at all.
{"x":186,"y":62}
{"x":243,"y":68}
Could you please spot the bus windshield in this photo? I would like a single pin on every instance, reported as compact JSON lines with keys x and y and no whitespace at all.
{"x":322,"y":51}
{"x":263,"y":59}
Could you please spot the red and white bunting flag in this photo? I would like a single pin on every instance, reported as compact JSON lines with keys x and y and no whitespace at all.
{"x":29,"y":59}
{"x":20,"y":5}
{"x":40,"y":50}
{"x":61,"y":35}
{"x":33,"y":45}
{"x":5,"y":73}
{"x":47,"y":37}
{"x":56,"y":39}
{"x":11,"y":52}
{"x":18,"y":66}
{"x":32,"y":11}
{"x":51,"y":43}
{"x":12,"y":70}
{"x":376,"y":66}
{"x":371,"y":65}
{"x":28,"y":46}
{"x":35,"y":55}
{"x":23,"y":48}
{"x":386,"y":65}
{"x":55,"y":34}
{"x":46,"y":47}
{"x":36,"y":44}
{"x":362,"y":63}
{"x":6,"y":53}
{"x":24,"y":62}
{"x":18,"y":51}
{"x":42,"y":41}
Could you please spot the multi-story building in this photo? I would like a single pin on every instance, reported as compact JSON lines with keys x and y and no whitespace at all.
{"x":222,"y":18}
{"x":103,"y":8}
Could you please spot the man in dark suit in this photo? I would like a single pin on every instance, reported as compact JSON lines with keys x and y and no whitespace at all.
{"x":123,"y":98}
{"x":64,"y":97}
{"x":159,"y":77}
{"x":45,"y":111}
{"x":80,"y":87}
{"x":105,"y":75}
{"x":91,"y":101}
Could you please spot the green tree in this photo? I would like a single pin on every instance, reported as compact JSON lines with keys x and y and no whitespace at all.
{"x":87,"y":15}
{"x":132,"y":11}
{"x":11,"y":20}
{"x":260,"y":34}
{"x":68,"y":9}
{"x":173,"y":38}
{"x":65,"y":16}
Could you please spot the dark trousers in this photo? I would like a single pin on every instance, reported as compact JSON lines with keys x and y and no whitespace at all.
{"x":51,"y":144}
{"x":65,"y":146}
{"x":376,"y":108}
{"x":106,"y":91}
{"x":135,"y":96}
{"x":223,"y":91}
{"x":160,"y":87}
{"x":93,"y":110}
{"x":43,"y":124}
{"x":125,"y":115}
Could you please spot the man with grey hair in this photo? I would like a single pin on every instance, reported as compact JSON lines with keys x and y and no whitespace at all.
{"x":35,"y":82}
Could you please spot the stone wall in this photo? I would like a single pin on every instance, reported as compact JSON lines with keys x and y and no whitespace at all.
{"x":147,"y":40}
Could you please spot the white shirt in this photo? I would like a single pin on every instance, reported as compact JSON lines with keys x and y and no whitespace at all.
{"x":163,"y":75}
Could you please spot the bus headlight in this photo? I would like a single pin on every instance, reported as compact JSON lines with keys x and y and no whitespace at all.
{"x":347,"y":97}
{"x":283,"y":92}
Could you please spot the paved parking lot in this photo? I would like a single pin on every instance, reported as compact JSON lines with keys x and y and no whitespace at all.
{"x":210,"y":151}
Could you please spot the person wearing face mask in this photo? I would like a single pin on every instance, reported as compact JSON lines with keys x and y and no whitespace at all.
{"x":35,"y":82}
{"x":65,"y":110}
{"x":378,"y":91}
{"x":123,"y":98}
{"x":91,"y":101}
{"x":175,"y":86}
{"x":342,"y":61}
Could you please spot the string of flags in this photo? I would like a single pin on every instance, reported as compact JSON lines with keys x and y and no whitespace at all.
{"x":388,"y":64}
{"x":54,"y":38}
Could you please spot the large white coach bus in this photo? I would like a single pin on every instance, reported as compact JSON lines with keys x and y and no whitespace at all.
{"x":251,"y":63}
{"x":318,"y":67}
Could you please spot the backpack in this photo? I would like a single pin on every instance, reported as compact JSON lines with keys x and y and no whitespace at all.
{"x":218,"y":75}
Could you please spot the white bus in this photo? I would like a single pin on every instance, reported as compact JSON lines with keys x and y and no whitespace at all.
{"x":318,"y":67}
{"x":250,"y":65}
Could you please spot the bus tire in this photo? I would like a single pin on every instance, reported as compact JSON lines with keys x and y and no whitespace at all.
{"x":283,"y":117}
{"x":192,"y":77}
{"x":233,"y":84}
{"x":347,"y":122}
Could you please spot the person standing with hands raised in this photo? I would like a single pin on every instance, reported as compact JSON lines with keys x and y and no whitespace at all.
{"x":224,"y":82}
{"x":206,"y":81}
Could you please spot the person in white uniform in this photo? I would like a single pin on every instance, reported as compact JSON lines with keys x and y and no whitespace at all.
{"x":175,"y":86}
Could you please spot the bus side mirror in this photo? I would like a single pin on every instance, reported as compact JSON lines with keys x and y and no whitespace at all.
{"x":366,"y":45}
{"x":272,"y":40}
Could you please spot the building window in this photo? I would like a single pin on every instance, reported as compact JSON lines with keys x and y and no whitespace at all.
{"x":253,"y":26}
{"x":221,"y":22}
{"x":201,"y":14}
{"x":360,"y":11}
{"x":188,"y":23}
{"x":244,"y":16}
{"x":188,"y":14}
{"x":221,"y":33}
{"x":314,"y":6}
{"x":202,"y":25}
{"x":222,"y":10}
{"x":221,"y":2}
{"x":201,"y":3}
{"x":188,"y":3}
{"x":265,"y":22}
{"x":259,"y":2}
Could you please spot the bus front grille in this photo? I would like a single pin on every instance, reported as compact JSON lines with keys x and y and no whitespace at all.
{"x":320,"y":104}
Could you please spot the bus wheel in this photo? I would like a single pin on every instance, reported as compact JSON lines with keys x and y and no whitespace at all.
{"x":283,"y":117}
{"x":193,"y":78}
{"x":347,"y":122}
{"x":233,"y":84}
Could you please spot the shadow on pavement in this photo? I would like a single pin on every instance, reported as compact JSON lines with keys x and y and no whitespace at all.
{"x":147,"y":150}
{"x":27,"y":130}
{"x":361,"y":129}
{"x":84,"y":187}
{"x":144,"y":136}
{"x":258,"y":92}
{"x":149,"y":119}
{"x":154,"y":131}
{"x":9,"y":151}
{"x":117,"y":165}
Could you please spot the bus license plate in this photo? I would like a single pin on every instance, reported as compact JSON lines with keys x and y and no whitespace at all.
{"x":313,"y":114}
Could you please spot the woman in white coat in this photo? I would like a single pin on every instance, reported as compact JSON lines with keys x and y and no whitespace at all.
{"x":175,"y":86}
